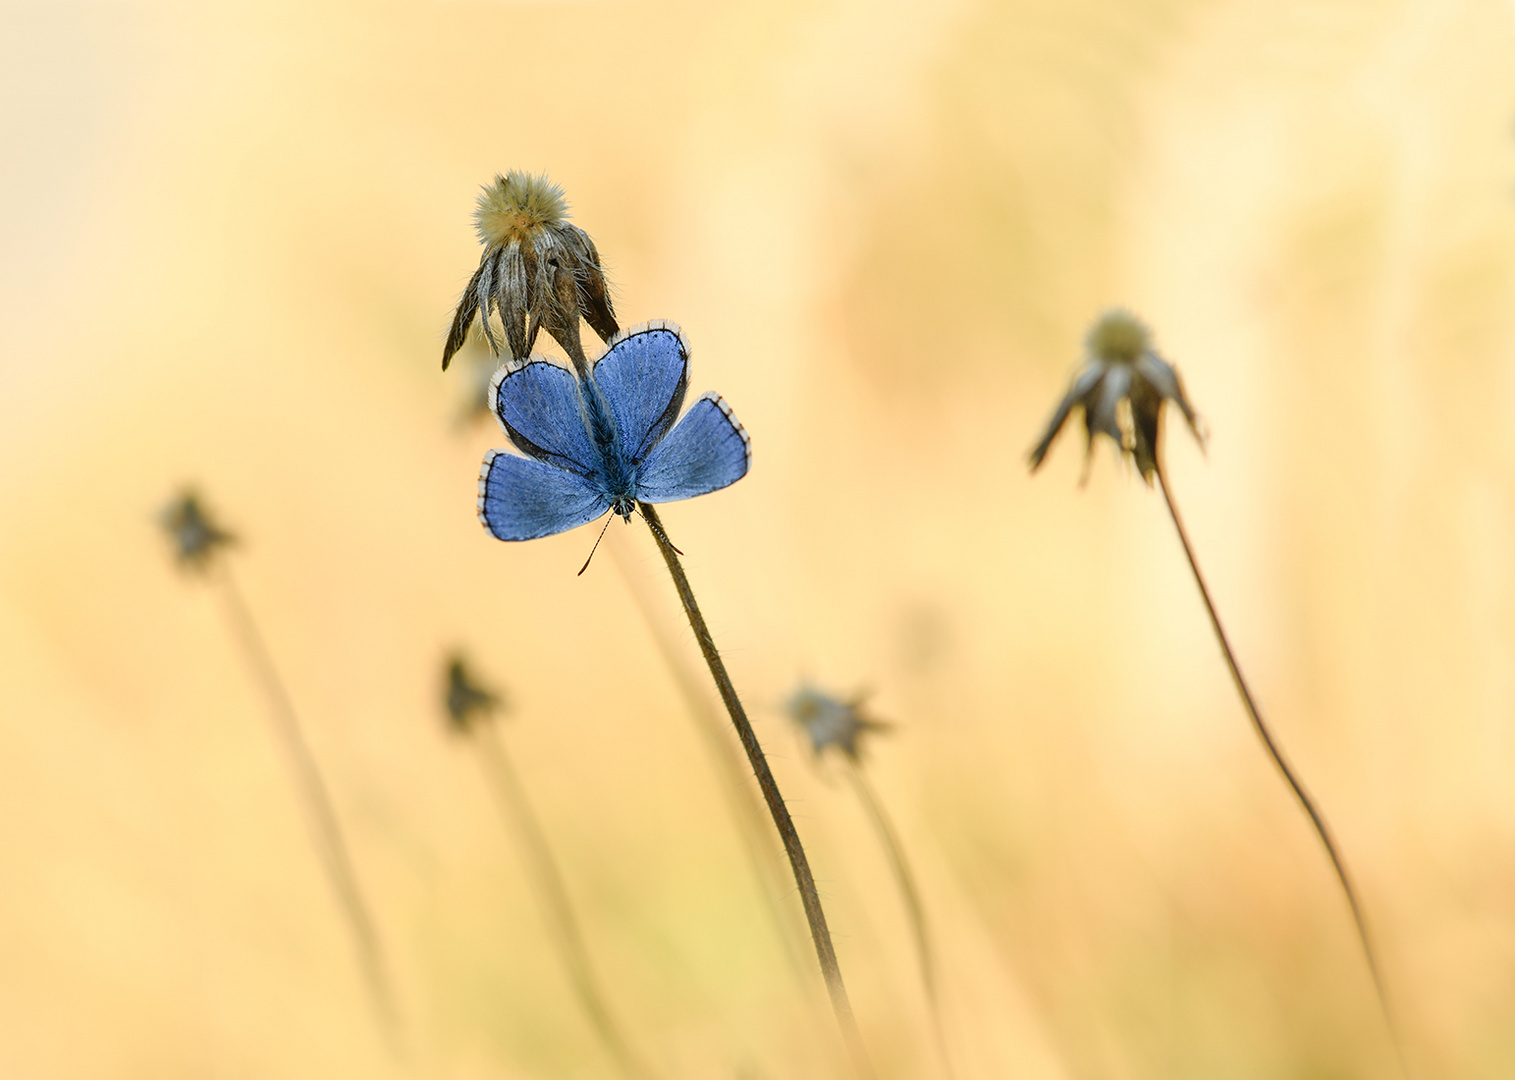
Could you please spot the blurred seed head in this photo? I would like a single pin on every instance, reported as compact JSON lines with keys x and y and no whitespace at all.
{"x":537,"y":272}
{"x":464,"y":700}
{"x":1121,"y":388}
{"x":830,"y":722}
{"x":195,"y":536}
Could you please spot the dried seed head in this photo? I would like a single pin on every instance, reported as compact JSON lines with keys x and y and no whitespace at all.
{"x":829,"y":722}
{"x":1118,"y":337}
{"x":1121,"y":388}
{"x":538,"y":271}
{"x":465,"y":701}
{"x":515,"y":205}
{"x":196,"y":538}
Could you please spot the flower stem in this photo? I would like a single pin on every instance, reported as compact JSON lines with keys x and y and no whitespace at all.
{"x":749,"y":817}
{"x":800,"y":865}
{"x":1316,"y":819}
{"x":906,"y":879}
{"x":554,"y":897}
{"x":320,"y":816}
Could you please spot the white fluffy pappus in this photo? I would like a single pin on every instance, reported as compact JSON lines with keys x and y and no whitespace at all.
{"x":516,"y":204}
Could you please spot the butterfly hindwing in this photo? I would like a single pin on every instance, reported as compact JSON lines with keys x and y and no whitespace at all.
{"x":643,"y":376}
{"x":539,"y":407}
{"x":522,"y":498}
{"x":706,"y":451}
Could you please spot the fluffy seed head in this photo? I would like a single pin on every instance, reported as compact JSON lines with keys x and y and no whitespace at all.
{"x":539,"y":271}
{"x":1118,"y":337}
{"x":517,"y":204}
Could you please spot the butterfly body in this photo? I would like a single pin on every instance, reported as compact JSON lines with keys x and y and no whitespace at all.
{"x":606,"y":442}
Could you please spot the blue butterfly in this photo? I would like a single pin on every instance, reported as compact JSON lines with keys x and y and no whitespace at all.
{"x":606,"y":442}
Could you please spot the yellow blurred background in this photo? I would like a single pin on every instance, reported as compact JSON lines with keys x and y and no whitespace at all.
{"x":231,"y":237}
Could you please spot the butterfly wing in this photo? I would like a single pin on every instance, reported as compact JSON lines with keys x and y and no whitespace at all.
{"x":522,"y":498}
{"x":706,"y":451}
{"x":643,"y":376}
{"x":538,"y":405}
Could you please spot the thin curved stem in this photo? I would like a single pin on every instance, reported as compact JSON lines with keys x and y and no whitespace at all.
{"x":554,"y":897}
{"x":750,"y":827}
{"x":1316,"y":819}
{"x":889,"y":837}
{"x":798,"y":863}
{"x":320,"y":815}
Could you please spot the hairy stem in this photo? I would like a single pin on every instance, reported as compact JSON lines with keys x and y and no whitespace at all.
{"x":554,"y":898}
{"x":903,"y":875}
{"x":320,"y":815}
{"x":1316,"y":819}
{"x":747,"y":813}
{"x":798,"y":863}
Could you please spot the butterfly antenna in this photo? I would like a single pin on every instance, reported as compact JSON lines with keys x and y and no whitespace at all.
{"x":659,"y":530}
{"x":608,"y":519}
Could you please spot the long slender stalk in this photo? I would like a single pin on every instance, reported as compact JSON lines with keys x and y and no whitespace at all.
{"x":1316,"y":819}
{"x":809,"y":897}
{"x":755,"y":842}
{"x":554,"y":896}
{"x":889,"y":837}
{"x":320,"y":815}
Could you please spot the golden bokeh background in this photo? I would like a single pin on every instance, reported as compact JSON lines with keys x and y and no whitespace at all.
{"x":230,"y":239}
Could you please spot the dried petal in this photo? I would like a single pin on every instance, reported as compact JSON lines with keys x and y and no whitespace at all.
{"x":1102,"y":408}
{"x":462,"y":319}
{"x":1086,"y":380}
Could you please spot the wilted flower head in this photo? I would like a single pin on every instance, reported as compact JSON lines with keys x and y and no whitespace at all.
{"x":1121,"y":366}
{"x":829,"y":722}
{"x":196,"y":538}
{"x":538,"y":271}
{"x":466,"y":702}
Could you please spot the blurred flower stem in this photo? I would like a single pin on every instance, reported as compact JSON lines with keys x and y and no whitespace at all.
{"x":320,"y":816}
{"x":553,"y":893}
{"x":1122,"y":389}
{"x":905,"y":878}
{"x":809,"y":896}
{"x":755,"y":839}
{"x":1322,"y":830}
{"x":840,"y":724}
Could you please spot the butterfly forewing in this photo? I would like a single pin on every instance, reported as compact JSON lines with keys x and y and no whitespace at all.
{"x":705,"y":452}
{"x":643,"y":376}
{"x":539,"y":407}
